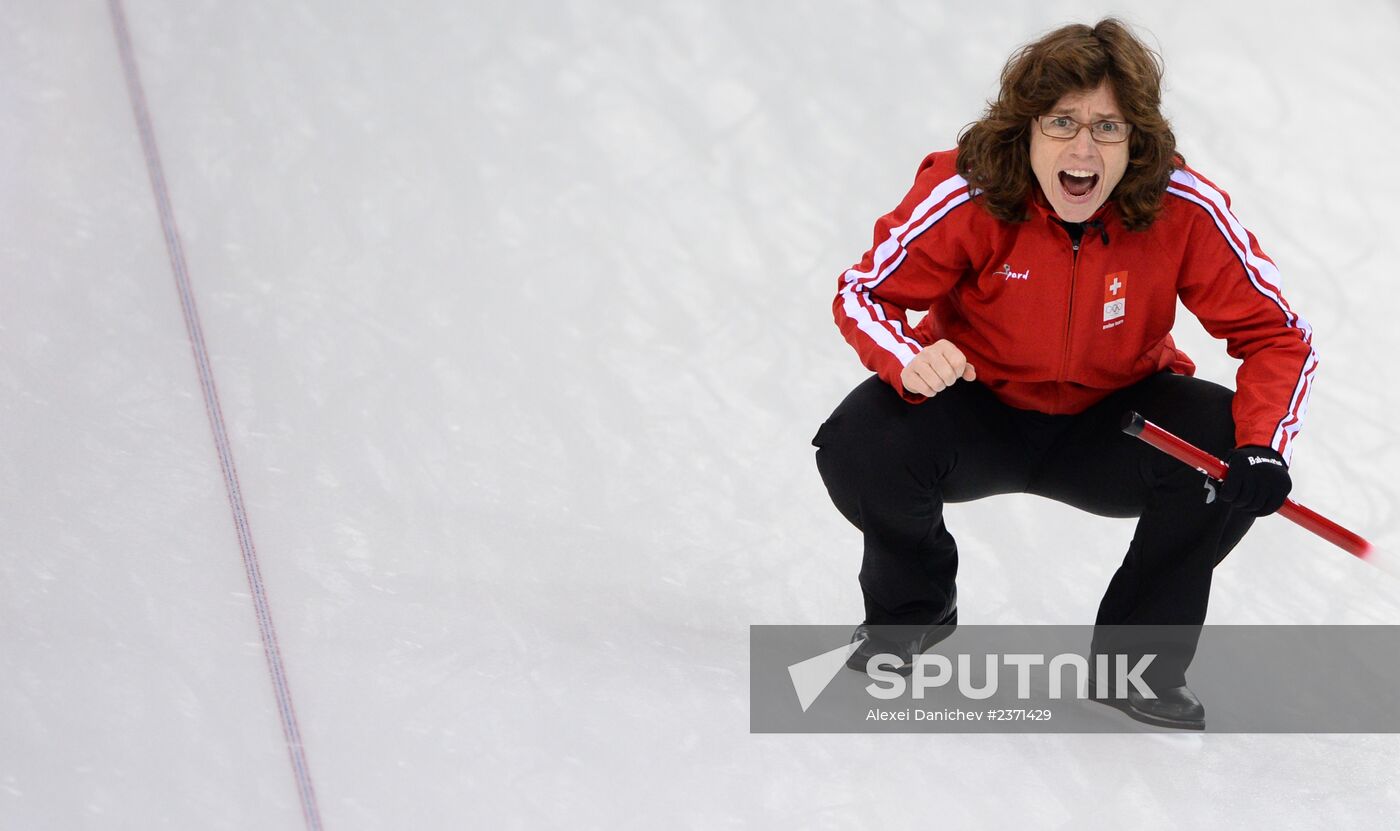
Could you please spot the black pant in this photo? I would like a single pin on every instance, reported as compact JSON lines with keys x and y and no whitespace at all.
{"x":890,"y":466}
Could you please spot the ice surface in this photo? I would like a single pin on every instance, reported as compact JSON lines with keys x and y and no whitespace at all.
{"x":519,"y":317}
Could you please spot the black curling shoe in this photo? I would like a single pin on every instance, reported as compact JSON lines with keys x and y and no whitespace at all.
{"x":904,"y":642}
{"x":1176,"y":707}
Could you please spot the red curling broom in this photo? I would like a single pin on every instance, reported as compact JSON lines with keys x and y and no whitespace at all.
{"x":1135,"y":425}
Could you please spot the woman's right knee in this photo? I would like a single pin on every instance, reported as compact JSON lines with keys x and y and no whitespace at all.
{"x":865,"y":439}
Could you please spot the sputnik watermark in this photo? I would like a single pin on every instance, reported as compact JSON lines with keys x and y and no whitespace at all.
{"x":931,"y":671}
{"x":813,"y":675}
{"x":1251,"y":679}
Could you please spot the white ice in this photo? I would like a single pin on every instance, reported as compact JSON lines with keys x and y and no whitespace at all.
{"x":519,"y":316}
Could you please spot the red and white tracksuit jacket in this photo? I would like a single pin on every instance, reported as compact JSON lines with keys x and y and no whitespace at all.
{"x":1053,"y":329}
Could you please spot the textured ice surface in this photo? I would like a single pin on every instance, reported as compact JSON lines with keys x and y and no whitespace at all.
{"x":519,"y":317}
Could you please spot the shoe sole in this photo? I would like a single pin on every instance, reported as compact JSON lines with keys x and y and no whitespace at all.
{"x":1122,"y":706}
{"x":934,"y":636}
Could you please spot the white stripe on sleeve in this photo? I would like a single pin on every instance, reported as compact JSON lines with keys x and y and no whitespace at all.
{"x":868,"y":315}
{"x":1264,"y":276}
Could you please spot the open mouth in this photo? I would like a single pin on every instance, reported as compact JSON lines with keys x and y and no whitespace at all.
{"x":1078,"y":184}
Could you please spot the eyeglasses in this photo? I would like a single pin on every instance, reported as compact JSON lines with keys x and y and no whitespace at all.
{"x":1103,"y":132}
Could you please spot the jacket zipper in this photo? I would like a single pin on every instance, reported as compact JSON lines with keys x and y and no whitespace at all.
{"x":1069,"y":316}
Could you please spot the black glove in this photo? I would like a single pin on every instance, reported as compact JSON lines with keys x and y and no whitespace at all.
{"x":1257,"y":481}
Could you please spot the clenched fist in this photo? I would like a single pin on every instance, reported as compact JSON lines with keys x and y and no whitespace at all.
{"x":936,"y":368}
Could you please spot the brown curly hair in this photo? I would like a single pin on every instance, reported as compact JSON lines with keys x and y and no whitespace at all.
{"x":994,"y":152}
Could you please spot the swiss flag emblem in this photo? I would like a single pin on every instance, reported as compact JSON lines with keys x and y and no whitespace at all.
{"x":1115,"y":298}
{"x":1115,"y":286}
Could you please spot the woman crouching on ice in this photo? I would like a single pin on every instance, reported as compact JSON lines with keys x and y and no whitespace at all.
{"x":1050,"y":249}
